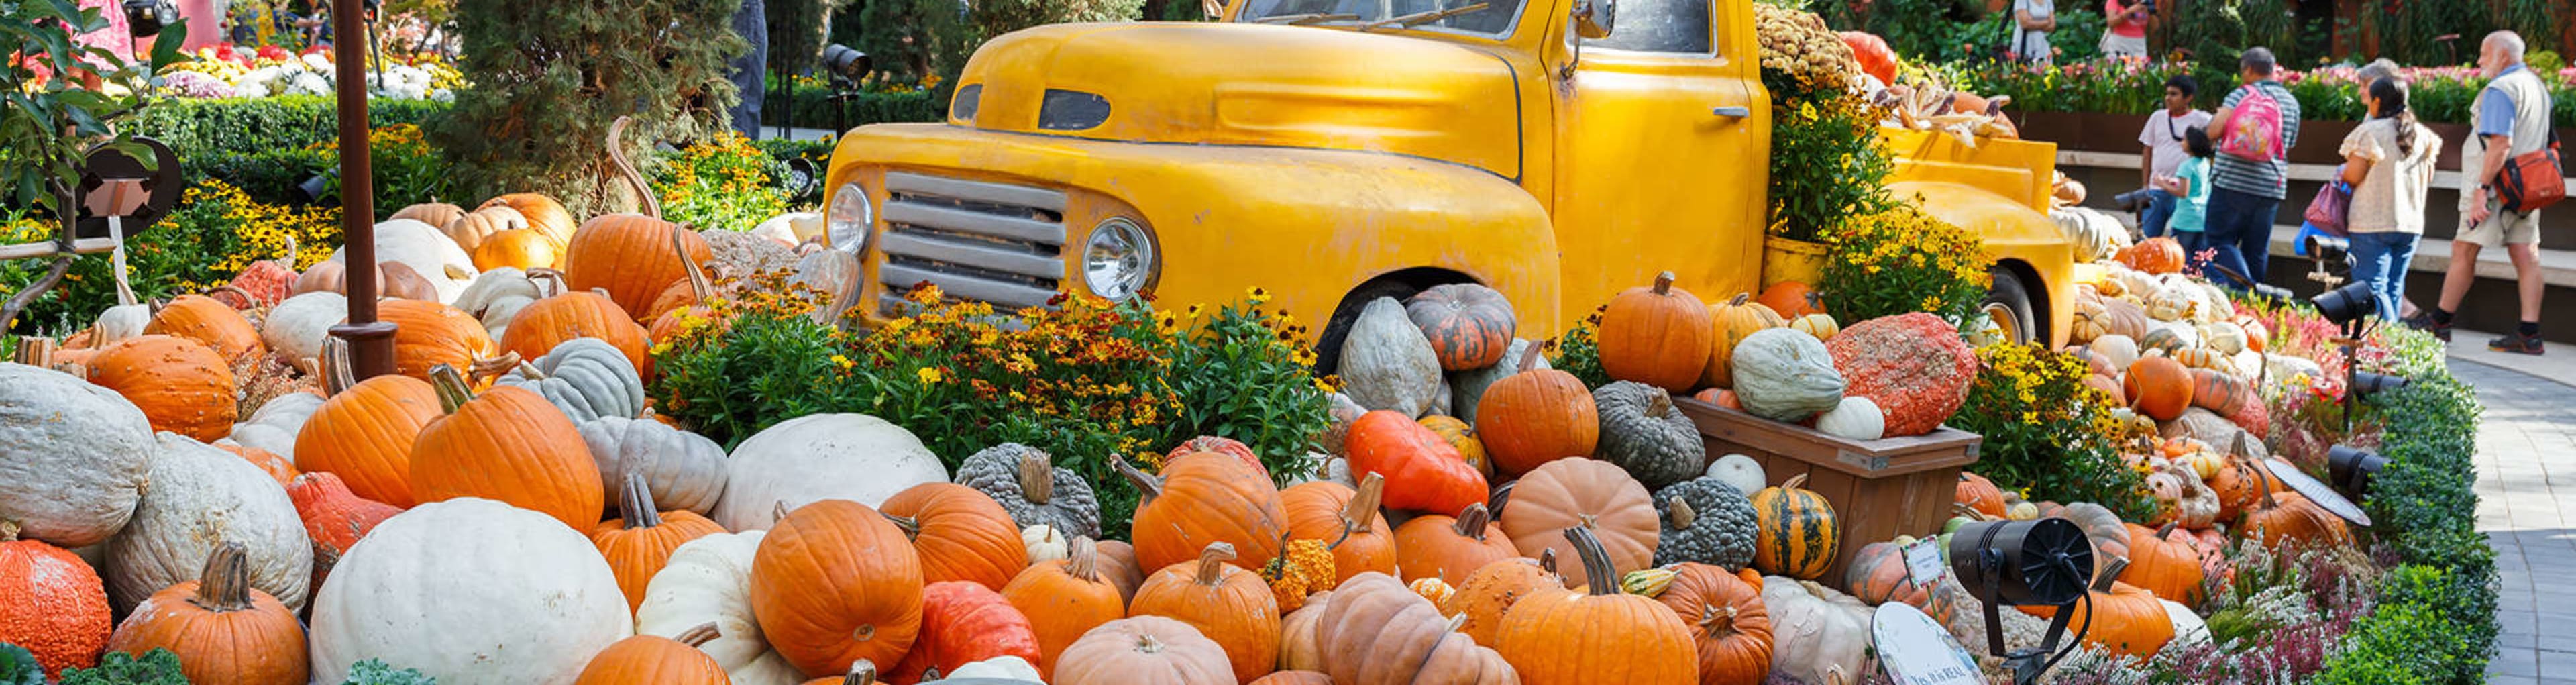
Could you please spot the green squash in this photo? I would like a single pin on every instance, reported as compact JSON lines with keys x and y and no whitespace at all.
{"x":1706,"y":521}
{"x":1784,"y":375}
{"x":1643,"y":432}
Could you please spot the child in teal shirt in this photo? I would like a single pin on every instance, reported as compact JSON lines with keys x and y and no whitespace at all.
{"x":2190,"y":188}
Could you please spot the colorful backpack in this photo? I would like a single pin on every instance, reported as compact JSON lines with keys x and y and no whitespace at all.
{"x":2254,"y":134}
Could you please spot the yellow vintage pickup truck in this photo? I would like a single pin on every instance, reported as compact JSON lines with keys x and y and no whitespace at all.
{"x":1334,"y":151}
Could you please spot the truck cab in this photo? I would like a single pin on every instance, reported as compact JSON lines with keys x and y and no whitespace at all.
{"x":1335,"y":151}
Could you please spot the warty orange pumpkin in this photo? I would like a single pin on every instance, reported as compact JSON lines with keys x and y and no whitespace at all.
{"x":1488,"y":593}
{"x":508,"y":445}
{"x":182,"y":386}
{"x":1436,"y":546}
{"x":1064,"y":598}
{"x":211,"y":323}
{"x":57,"y":606}
{"x":834,"y":582}
{"x":659,"y":660}
{"x":1199,"y":499}
{"x":1568,"y":637}
{"x":1224,"y":602}
{"x":960,"y":533}
{"x":638,"y":543}
{"x":1537,"y":416}
{"x":222,"y":629}
{"x":1344,"y":519}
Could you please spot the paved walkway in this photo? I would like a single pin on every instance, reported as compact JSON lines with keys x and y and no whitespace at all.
{"x":2527,"y":505}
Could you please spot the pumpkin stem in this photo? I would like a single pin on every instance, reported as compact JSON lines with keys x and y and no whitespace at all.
{"x":1739,"y":299}
{"x":635,"y":503}
{"x":1547,"y":561}
{"x":1471,"y":523}
{"x":1716,"y":620}
{"x":35,"y":351}
{"x":8,"y":530}
{"x":1530,"y":357}
{"x":453,"y":393}
{"x":2109,"y":573}
{"x":551,"y":276}
{"x":1680,"y":514}
{"x":236,"y":291}
{"x":2166,"y":529}
{"x":1152,"y":487}
{"x":862,"y":672}
{"x":1146,"y":644}
{"x":1604,"y":578}
{"x":911,"y":526}
{"x":224,"y":584}
{"x":1501,"y":497}
{"x":1659,"y":404}
{"x":1664,"y":283}
{"x":626,"y":170}
{"x":1794,"y":482}
{"x":508,"y":361}
{"x":777,"y":511}
{"x":699,"y":287}
{"x":1037,"y":477}
{"x":336,"y":374}
{"x":1359,"y":514}
{"x":700,"y":635}
{"x":1082,"y":559}
{"x":1456,"y":621}
{"x":1212,"y":563}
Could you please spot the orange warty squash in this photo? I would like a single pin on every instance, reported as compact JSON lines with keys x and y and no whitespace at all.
{"x":57,"y":606}
{"x":275,"y":466}
{"x":835,"y":582}
{"x":1469,"y":325}
{"x":1731,"y":321}
{"x":1436,"y":546}
{"x":1224,"y":602}
{"x":630,"y":255}
{"x":582,"y":314}
{"x":961,"y":623}
{"x":1203,"y":498}
{"x":1975,"y":492}
{"x":1536,"y":416}
{"x":1064,"y":598}
{"x":333,"y":517}
{"x":1345,"y":520}
{"x":2158,"y":387}
{"x":364,"y":430}
{"x":1657,"y":335}
{"x":1589,"y":493}
{"x":638,"y":543}
{"x":1567,"y":637}
{"x":659,"y":660}
{"x":960,"y":533}
{"x":2239,"y":484}
{"x":1144,"y":650}
{"x":1726,"y":618}
{"x":211,"y":323}
{"x":508,"y":445}
{"x":222,"y":629}
{"x":182,"y":386}
{"x":428,"y":334}
{"x":1488,"y":594}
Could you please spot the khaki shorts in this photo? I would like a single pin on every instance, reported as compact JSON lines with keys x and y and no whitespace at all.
{"x":2504,"y":228}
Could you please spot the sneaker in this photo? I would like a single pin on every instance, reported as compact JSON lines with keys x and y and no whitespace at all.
{"x":2516,"y":343}
{"x":2423,"y":321}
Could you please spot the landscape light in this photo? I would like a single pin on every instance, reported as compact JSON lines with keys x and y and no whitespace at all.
{"x":2040,"y":562}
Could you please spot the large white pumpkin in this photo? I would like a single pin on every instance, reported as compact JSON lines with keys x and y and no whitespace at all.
{"x":295,"y":329}
{"x":469,"y":591}
{"x":273,"y":426}
{"x":72,"y":456}
{"x":424,"y":249}
{"x":200,"y":498}
{"x":495,"y":297}
{"x":821,"y":456}
{"x":708,"y":580}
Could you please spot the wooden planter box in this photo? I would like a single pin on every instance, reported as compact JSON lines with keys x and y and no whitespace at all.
{"x":1880,"y":489}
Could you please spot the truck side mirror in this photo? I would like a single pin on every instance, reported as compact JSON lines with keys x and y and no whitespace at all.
{"x":1593,"y":18}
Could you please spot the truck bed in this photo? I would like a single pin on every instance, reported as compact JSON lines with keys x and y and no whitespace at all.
{"x":2019,"y":170}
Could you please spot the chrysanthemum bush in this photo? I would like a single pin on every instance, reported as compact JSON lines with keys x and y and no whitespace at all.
{"x":1083,"y":379}
{"x":1903,"y":260}
{"x":2049,"y":434}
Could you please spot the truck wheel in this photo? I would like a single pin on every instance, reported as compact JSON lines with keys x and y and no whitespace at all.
{"x":2008,"y":303}
{"x":1328,"y":347}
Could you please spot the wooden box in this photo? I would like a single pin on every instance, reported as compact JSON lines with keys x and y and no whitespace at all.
{"x":1880,"y":488}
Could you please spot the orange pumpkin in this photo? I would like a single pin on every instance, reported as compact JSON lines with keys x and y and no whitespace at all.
{"x":393,"y":280}
{"x":2109,"y":386}
{"x":508,"y":445}
{"x":835,"y":582}
{"x":1204,"y":498}
{"x":428,"y":334}
{"x":222,"y":630}
{"x":2286,"y":519}
{"x":1294,"y":678}
{"x":961,"y":623}
{"x":1980,"y":494}
{"x":1423,"y":472}
{"x":1118,"y":564}
{"x":638,"y":543}
{"x":960,"y":533}
{"x":659,"y":660}
{"x":517,"y":249}
{"x":691,"y":297}
{"x":1065,"y":598}
{"x":364,"y":431}
{"x":1345,"y":520}
{"x":2164,"y":564}
{"x":542,"y":213}
{"x":209,"y":322}
{"x":182,"y":386}
{"x":581,"y":314}
{"x":1877,"y":574}
{"x":2154,"y":255}
{"x":1586,"y":493}
{"x":1143,"y":650}
{"x":2221,"y":392}
{"x":1436,"y":546}
{"x":1731,"y":321}
{"x":2158,"y":387}
{"x":1224,"y":602}
{"x":1536,"y":416}
{"x":1791,"y":299}
{"x":1568,"y":637}
{"x":2126,"y":619}
{"x":57,"y":606}
{"x":334,"y":518}
{"x":1489,"y":593}
{"x":471,"y":229}
{"x":275,"y":466}
{"x":631,"y":256}
{"x":2239,"y":484}
{"x":1469,"y":325}
{"x":1727,"y":620}
{"x":1220,"y":445}
{"x":1657,"y":335}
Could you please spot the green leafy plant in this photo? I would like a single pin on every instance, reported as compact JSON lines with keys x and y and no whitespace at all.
{"x":156,"y":667}
{"x":1246,"y":373}
{"x":377,"y":672}
{"x":2050,"y":435}
{"x":723,"y":183}
{"x":1903,"y":260}
{"x":197,"y":128}
{"x":17,"y":665}
{"x":1826,"y":166}
{"x":1578,"y":353}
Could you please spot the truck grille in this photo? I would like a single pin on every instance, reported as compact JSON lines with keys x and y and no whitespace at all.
{"x":976,"y":240}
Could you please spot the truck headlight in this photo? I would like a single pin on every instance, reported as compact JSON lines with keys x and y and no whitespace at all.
{"x":1118,"y":259}
{"x":847,"y":218}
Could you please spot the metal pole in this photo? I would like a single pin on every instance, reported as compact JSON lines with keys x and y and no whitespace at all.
{"x":371,"y":342}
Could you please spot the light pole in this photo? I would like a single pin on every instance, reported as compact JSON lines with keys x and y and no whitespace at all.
{"x":371,"y":342}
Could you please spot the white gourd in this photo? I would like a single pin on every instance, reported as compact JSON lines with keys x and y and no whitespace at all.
{"x":118,"y":323}
{"x":1386,"y":362}
{"x":1740,"y":471}
{"x":2215,"y":305}
{"x":1005,"y":667}
{"x":1785,"y":375}
{"x":425,"y":250}
{"x":1818,"y":635}
{"x":855,"y":457}
{"x":274,"y":425}
{"x":683,"y":470}
{"x":2188,"y":627}
{"x":1044,"y":543}
{"x":2224,"y":336}
{"x":1855,"y":418}
{"x":495,"y":298}
{"x":295,"y":328}
{"x":2246,"y":364}
{"x":472,"y":592}
{"x":2120,"y":349}
{"x":708,"y":580}
{"x":200,"y":498}
{"x":73,"y":456}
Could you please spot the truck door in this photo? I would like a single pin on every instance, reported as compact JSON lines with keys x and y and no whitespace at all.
{"x":1662,"y":142}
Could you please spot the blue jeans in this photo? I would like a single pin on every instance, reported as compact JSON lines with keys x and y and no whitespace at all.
{"x":2239,"y":227}
{"x":2160,"y":210}
{"x":2192,"y":243}
{"x":2380,"y":259}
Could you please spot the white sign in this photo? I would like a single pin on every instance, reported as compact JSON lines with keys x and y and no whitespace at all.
{"x":1923,"y":562}
{"x":1916,"y":650}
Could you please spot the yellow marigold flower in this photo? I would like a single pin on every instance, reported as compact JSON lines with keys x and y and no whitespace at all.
{"x":927,"y":374}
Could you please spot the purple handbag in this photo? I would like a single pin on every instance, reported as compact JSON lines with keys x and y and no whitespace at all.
{"x":2328,"y":212}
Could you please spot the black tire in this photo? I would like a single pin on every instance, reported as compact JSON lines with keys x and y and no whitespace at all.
{"x":2009,"y":303}
{"x":1328,"y":346}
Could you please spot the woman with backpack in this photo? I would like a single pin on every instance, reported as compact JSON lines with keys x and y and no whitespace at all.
{"x":2255,"y":130}
{"x":2389,"y":162}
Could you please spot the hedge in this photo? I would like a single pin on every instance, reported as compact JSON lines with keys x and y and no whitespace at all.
{"x":813,"y":108}
{"x":242,"y":126}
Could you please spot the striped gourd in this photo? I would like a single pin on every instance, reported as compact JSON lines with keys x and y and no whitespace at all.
{"x":1798,"y":535}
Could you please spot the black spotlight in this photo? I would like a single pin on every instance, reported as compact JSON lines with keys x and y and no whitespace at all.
{"x":318,"y":187}
{"x":845,"y":61}
{"x":2368,"y":383}
{"x":145,"y":18}
{"x":2042,"y":562}
{"x":2352,"y":468}
{"x":2346,"y":304}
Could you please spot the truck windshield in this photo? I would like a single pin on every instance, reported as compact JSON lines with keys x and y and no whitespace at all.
{"x":1494,"y":19}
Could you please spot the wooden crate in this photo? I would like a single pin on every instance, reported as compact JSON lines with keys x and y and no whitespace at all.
{"x":1880,"y":488}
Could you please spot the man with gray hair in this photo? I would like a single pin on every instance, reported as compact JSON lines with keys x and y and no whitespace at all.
{"x":2379,"y":69}
{"x":2512,"y":115}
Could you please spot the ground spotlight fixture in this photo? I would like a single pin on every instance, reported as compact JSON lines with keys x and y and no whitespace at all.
{"x":319,"y":186}
{"x":845,"y":61}
{"x":2041,"y":562}
{"x":2346,"y":304}
{"x":2367,"y":383}
{"x":2350,"y":469}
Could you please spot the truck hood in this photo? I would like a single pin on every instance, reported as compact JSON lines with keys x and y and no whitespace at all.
{"x":1250,"y":84}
